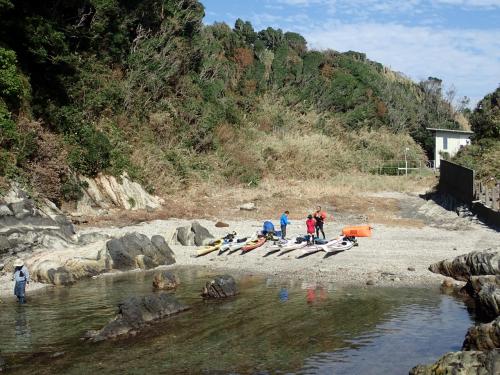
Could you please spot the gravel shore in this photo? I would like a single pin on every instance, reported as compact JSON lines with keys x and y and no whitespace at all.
{"x":396,"y":256}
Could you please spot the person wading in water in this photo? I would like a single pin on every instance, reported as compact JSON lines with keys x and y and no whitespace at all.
{"x":22,"y":277}
{"x":320,"y":217}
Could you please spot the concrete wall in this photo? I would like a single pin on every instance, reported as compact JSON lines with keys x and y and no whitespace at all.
{"x":457,"y":181}
{"x":454,"y":142}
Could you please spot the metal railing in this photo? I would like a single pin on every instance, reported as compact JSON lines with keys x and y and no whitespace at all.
{"x":398,"y":167}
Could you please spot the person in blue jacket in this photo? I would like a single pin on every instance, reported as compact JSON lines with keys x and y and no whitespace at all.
{"x":283,"y":223}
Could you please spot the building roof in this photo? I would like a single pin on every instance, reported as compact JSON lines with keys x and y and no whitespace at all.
{"x":451,"y":130}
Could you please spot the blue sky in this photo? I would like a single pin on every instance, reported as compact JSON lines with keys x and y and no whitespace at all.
{"x":455,"y":40}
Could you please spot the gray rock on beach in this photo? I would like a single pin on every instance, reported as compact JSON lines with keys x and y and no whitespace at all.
{"x":222,"y":286}
{"x":248,"y":206}
{"x":135,"y":313}
{"x":135,"y":250}
{"x":194,"y":234}
{"x":476,"y":263}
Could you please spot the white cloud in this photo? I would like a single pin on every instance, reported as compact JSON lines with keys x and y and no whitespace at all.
{"x":469,"y":59}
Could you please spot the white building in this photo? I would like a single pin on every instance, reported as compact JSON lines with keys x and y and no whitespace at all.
{"x":449,"y":141}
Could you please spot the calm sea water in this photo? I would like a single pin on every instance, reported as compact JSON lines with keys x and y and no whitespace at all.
{"x":271,"y":327}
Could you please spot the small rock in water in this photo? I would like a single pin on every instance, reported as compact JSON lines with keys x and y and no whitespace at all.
{"x":447,"y":283}
{"x":2,"y":266}
{"x":411,"y":268}
{"x":220,"y":224}
{"x":370,"y":282}
{"x":165,"y":280}
{"x":222,"y":286}
{"x":248,"y":206}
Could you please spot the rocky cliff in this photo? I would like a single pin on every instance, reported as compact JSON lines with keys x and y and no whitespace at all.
{"x":481,"y":348}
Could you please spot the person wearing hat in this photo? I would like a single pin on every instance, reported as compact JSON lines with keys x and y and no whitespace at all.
{"x":21,"y":277}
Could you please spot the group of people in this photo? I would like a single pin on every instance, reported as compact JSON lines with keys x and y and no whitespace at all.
{"x":314,"y":223}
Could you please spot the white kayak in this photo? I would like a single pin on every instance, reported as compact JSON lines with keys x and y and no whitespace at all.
{"x":342,"y":245}
{"x":292,"y":246}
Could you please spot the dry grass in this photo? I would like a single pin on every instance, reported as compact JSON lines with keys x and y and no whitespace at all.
{"x":340,"y":195}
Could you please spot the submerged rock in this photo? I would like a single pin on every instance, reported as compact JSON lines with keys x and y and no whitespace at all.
{"x":165,"y":280}
{"x":135,"y":313}
{"x":476,"y":263}
{"x":222,"y":286}
{"x":462,"y":363}
{"x":483,"y":336}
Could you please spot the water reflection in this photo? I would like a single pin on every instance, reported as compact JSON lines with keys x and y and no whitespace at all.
{"x":283,"y":294}
{"x":309,"y":328}
{"x":22,"y":329}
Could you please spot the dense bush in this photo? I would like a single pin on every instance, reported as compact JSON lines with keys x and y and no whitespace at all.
{"x":144,"y":87}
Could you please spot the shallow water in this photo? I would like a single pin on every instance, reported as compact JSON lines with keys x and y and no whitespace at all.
{"x":271,"y":327}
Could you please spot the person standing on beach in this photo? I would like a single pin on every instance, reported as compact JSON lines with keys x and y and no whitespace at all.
{"x":22,"y":277}
{"x":283,"y":223}
{"x":320,"y":217}
{"x":311,"y":225}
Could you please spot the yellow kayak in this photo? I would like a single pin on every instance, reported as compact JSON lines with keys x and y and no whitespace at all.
{"x":209,"y":248}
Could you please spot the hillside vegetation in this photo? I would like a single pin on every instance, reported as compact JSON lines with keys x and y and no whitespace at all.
{"x":143,"y":87}
{"x":483,"y":154}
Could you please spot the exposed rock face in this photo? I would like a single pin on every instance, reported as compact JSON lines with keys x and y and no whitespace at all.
{"x":104,"y":193}
{"x":194,"y":234}
{"x":475,"y":263}
{"x":165,"y":280}
{"x":222,"y":286}
{"x":135,"y":250}
{"x":483,"y":336}
{"x":463,"y":363}
{"x":135,"y":313}
{"x":24,"y":226}
{"x":66,"y":266}
{"x":481,"y":355}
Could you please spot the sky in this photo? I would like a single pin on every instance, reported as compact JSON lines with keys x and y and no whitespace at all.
{"x":457,"y":41}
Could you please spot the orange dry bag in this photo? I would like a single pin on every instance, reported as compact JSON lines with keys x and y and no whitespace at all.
{"x":357,"y":231}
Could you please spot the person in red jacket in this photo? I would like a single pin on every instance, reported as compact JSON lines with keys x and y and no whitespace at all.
{"x":311,"y":226}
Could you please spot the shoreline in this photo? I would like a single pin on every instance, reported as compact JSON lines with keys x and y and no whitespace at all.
{"x":395,"y":255}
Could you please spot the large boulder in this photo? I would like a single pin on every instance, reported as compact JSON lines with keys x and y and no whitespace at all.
{"x":483,"y":336}
{"x":193,"y":234}
{"x":51,"y":272}
{"x":135,"y":250}
{"x":488,"y":301}
{"x":185,"y":236}
{"x":476,"y":263}
{"x":462,"y":363}
{"x":135,"y":313}
{"x":475,"y":283}
{"x":222,"y":286}
{"x":160,"y":243}
{"x":201,"y":234}
{"x":165,"y":280}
